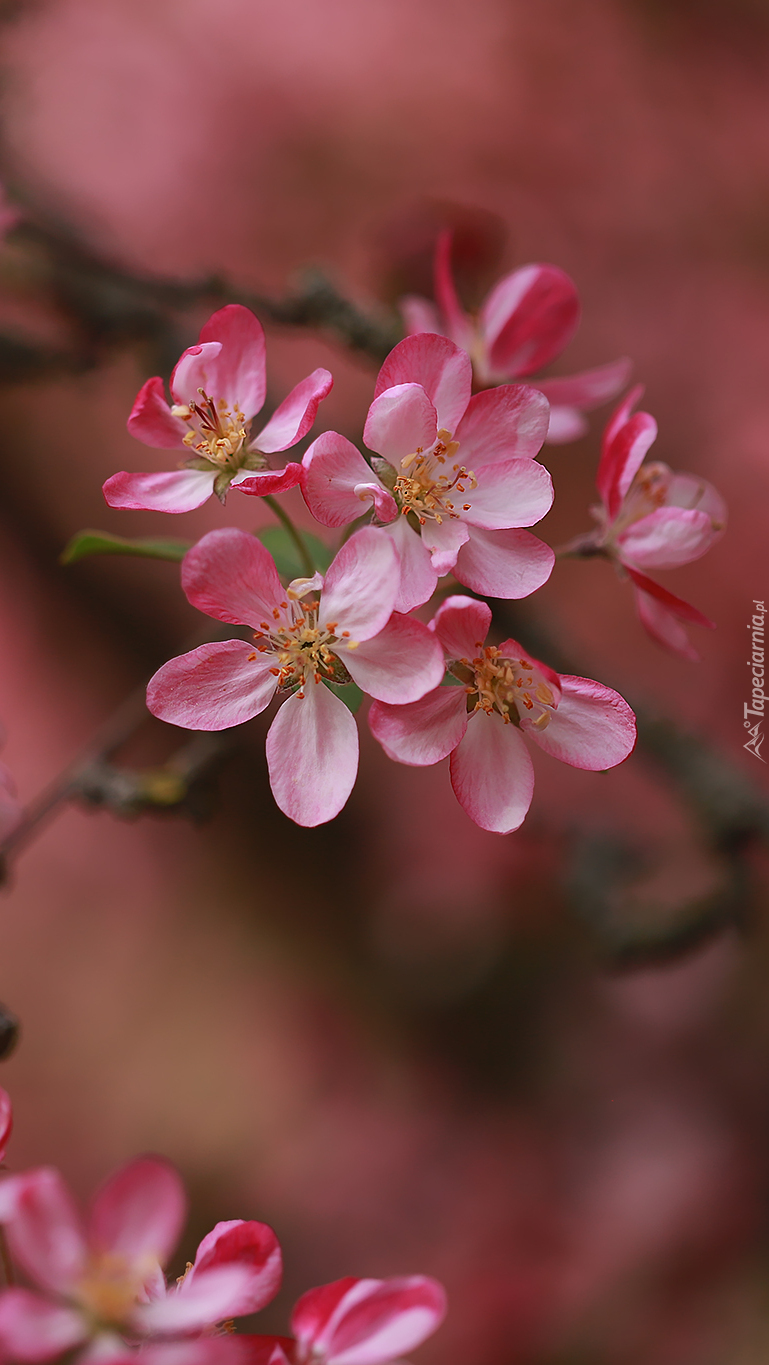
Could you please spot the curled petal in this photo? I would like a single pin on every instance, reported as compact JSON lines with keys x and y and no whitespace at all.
{"x":312,"y":755}
{"x":213,"y":687}
{"x":32,"y":1328}
{"x":296,"y":414}
{"x":590,"y":388}
{"x":231,"y":576}
{"x":361,"y":585}
{"x":260,"y":483}
{"x":492,"y":774}
{"x":401,"y":663}
{"x":423,"y":732}
{"x":418,"y":577}
{"x":43,"y":1228}
{"x":667,"y":538}
{"x":400,"y":421}
{"x":444,"y":371}
{"x":528,"y":319}
{"x":152,"y":420}
{"x":509,"y":564}
{"x":503,"y":423}
{"x":196,"y":373}
{"x":336,"y":481}
{"x":139,"y":1213}
{"x":592,"y":728}
{"x":419,"y":315}
{"x":462,"y":624}
{"x":459,"y":326}
{"x":626,"y":442}
{"x":6,"y":1120}
{"x":664,"y":626}
{"x":368,"y":1322}
{"x":246,"y":1243}
{"x":510,"y":493}
{"x":238,"y":373}
{"x":683,"y":610}
{"x":177,"y":490}
{"x":215,"y":1295}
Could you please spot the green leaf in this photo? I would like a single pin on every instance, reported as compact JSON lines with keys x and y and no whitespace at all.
{"x":283,"y":550}
{"x":87,"y":543}
{"x":349,"y":693}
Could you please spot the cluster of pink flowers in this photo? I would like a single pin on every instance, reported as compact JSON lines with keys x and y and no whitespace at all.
{"x":448,"y":490}
{"x":101,"y":1292}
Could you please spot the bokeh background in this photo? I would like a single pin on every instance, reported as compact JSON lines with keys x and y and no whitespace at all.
{"x":404,"y":1042}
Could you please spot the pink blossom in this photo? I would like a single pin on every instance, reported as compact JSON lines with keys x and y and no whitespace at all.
{"x":314,"y":632}
{"x":6,"y":1121}
{"x":651,"y":518}
{"x":357,"y":1322}
{"x":217,"y":388}
{"x":505,"y":695}
{"x":102,"y":1280}
{"x":523,"y":324}
{"x":456,"y":478}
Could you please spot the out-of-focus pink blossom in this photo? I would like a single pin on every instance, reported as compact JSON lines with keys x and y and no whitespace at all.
{"x":102,"y":1280}
{"x":314,"y":632}
{"x":652,"y":518}
{"x":217,"y":389}
{"x":505,"y":694}
{"x":529,"y":317}
{"x":357,"y":1322}
{"x":6,"y":1121}
{"x":456,"y":479}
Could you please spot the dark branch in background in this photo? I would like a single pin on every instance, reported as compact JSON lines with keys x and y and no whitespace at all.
{"x":109,"y":307}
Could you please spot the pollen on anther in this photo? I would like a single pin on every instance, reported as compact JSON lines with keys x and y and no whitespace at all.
{"x":466,"y":506}
{"x":275,"y":672}
{"x":251,"y":657}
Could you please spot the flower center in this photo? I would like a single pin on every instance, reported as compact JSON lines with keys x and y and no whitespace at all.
{"x":112,"y":1285}
{"x":216,"y":433}
{"x":513,"y":688}
{"x":303,"y":650}
{"x":433,"y":482}
{"x":646,"y":493}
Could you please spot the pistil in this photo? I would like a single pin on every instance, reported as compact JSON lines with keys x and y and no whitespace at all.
{"x":430,"y":490}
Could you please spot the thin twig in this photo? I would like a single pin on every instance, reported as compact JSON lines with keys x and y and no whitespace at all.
{"x":303,"y":551}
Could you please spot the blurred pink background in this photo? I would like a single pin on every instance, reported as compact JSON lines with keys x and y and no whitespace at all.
{"x":390,"y":1038}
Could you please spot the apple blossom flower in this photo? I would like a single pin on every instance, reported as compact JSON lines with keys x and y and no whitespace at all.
{"x":314,"y":632}
{"x":217,"y":389}
{"x":356,"y":1322}
{"x":6,"y":1121}
{"x":651,"y":518}
{"x":102,"y":1282}
{"x":523,"y":324}
{"x":456,"y":478}
{"x":506,"y":694}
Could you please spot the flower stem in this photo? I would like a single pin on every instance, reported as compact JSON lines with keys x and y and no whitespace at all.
{"x":302,"y":548}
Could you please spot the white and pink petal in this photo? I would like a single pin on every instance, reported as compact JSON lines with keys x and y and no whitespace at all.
{"x":442,"y":368}
{"x":293,"y":417}
{"x":492,"y":774}
{"x":213,"y":687}
{"x":312,"y":755}
{"x":510,"y":564}
{"x":592,"y":728}
{"x":176,"y":490}
{"x":231,"y":576}
{"x":425,"y":731}
{"x":399,"y":665}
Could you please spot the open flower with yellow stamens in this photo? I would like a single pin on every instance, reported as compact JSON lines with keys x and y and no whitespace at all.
{"x":102,"y":1281}
{"x":316,"y":631}
{"x":456,"y":478}
{"x":504,"y":695}
{"x":217,"y":388}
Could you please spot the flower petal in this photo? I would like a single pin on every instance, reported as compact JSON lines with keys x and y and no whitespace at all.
{"x":247,"y":1243}
{"x":401,"y":663}
{"x":293,"y":418}
{"x":238,"y":373}
{"x":528,"y":319}
{"x":400,"y":421}
{"x":420,"y":315}
{"x":336,"y":481}
{"x":683,"y":610}
{"x":43,"y":1228}
{"x":32,"y":1328}
{"x":368,"y":1322}
{"x":418,"y":577}
{"x":510,"y":493}
{"x":213,"y":687}
{"x":215,"y":1295}
{"x":664,"y":626}
{"x":459,"y":326}
{"x":566,"y":424}
{"x":503,"y":423}
{"x":626,"y":442}
{"x":177,"y":490}
{"x":312,"y":755}
{"x":152,"y":420}
{"x":6,"y":1120}
{"x":509,"y":564}
{"x":667,"y":538}
{"x":139,"y":1213}
{"x":259,"y":483}
{"x":444,"y":541}
{"x":462,"y":624}
{"x":592,"y":728}
{"x":195,"y":370}
{"x":423,"y":732}
{"x":444,"y":371}
{"x":231,"y":576}
{"x":689,"y":490}
{"x":361,"y":585}
{"x":590,"y":388}
{"x":264,"y":1350}
{"x":492,"y":774}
